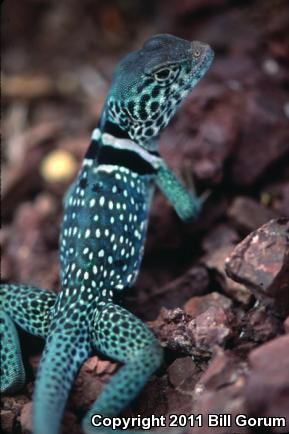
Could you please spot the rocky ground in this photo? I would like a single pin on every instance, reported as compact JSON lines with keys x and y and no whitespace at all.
{"x":216,"y":293}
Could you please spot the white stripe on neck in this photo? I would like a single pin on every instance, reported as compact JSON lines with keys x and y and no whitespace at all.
{"x":129,"y":145}
{"x":126,"y":144}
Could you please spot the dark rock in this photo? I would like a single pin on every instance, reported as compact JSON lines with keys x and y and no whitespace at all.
{"x":155,"y":398}
{"x":218,"y":244}
{"x":258,"y":325}
{"x":183,"y":374}
{"x":93,"y":375}
{"x":267,"y":389}
{"x":178,"y":332}
{"x":261,"y":262}
{"x":175,"y":293}
{"x":171,"y":328}
{"x":165,"y":229}
{"x":219,"y":236}
{"x":7,"y":420}
{"x":247,"y":214}
{"x":279,"y":196}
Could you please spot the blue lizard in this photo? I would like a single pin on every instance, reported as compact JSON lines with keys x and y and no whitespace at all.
{"x":102,"y":240}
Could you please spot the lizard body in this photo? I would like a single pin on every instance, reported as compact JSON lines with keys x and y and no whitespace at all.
{"x":102,"y":240}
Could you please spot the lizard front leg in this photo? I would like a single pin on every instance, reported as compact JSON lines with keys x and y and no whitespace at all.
{"x":123,"y":337}
{"x":30,"y":308}
{"x":186,"y":204}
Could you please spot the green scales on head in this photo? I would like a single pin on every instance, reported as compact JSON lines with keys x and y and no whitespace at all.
{"x":102,"y":240}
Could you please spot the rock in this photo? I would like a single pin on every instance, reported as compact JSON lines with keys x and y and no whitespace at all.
{"x":11,"y":407}
{"x":286,"y":325}
{"x":261,"y":262}
{"x":198,"y":305}
{"x":175,"y":293}
{"x":210,"y":328}
{"x":219,"y":236}
{"x":258,"y":325}
{"x":93,"y":375}
{"x":279,"y":196}
{"x":265,"y":135}
{"x":178,"y":332}
{"x":220,"y":390}
{"x":267,"y":389}
{"x":205,"y":138}
{"x":33,"y":244}
{"x":247,"y":214}
{"x":26,"y":418}
{"x":171,"y":328}
{"x":215,"y":260}
{"x":7,"y":420}
{"x":70,"y":424}
{"x":183,"y":374}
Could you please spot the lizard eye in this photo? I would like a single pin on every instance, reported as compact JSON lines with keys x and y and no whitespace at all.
{"x":162,"y":74}
{"x":197,"y":53}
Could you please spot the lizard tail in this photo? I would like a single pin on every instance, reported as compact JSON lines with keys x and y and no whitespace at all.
{"x":64,"y":353}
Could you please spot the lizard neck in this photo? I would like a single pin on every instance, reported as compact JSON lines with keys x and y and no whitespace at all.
{"x":113,"y":146}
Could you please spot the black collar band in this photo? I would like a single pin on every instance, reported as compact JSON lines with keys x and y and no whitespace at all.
{"x":125,"y":158}
{"x":106,"y":154}
{"x":114,"y":130}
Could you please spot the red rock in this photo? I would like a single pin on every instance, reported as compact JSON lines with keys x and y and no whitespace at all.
{"x":7,"y":420}
{"x":183,"y":374}
{"x":33,"y":245}
{"x":258,"y":325}
{"x":220,"y":390}
{"x":11,"y":407}
{"x":219,"y":236}
{"x":210,"y":329}
{"x":26,"y":418}
{"x":265,"y":135}
{"x":93,"y":375}
{"x":267,"y":389}
{"x":215,"y":260}
{"x":198,"y":305}
{"x":247,"y":214}
{"x":261,"y":262}
{"x":205,"y":140}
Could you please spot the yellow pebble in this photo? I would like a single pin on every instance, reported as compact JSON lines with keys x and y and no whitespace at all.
{"x":58,"y":165}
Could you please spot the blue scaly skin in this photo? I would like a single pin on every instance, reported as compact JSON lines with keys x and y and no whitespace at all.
{"x":102,"y":240}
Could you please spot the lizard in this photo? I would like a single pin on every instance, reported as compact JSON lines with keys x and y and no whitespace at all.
{"x":102,"y":239}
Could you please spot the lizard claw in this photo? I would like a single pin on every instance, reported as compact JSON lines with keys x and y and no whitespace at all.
{"x":187,"y":176}
{"x":204,"y":196}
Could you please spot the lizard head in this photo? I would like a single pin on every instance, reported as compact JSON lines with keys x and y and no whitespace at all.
{"x":149,"y":84}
